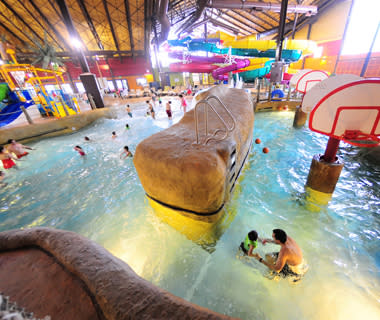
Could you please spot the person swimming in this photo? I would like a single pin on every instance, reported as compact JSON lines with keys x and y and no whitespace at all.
{"x":129,"y":110}
{"x":114,"y":136}
{"x":80,"y":150}
{"x":126,"y":153}
{"x":127,"y":126}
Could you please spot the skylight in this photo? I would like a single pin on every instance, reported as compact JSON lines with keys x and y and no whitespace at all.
{"x":362,"y":27}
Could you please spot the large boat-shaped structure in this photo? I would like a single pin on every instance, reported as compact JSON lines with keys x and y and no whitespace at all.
{"x":193,"y":165}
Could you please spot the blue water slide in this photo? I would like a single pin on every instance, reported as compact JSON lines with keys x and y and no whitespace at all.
{"x":12,"y":111}
{"x":287,"y":55}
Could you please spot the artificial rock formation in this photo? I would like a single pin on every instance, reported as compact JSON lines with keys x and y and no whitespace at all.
{"x":193,"y":177}
{"x":66,"y":276}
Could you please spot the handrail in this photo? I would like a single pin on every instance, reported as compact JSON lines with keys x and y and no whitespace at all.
{"x":208,"y":104}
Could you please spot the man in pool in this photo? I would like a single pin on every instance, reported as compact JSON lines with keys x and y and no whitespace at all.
{"x":17,"y":148}
{"x":289,"y":261}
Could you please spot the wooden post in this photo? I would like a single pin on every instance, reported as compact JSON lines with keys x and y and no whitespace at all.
{"x":28,"y":118}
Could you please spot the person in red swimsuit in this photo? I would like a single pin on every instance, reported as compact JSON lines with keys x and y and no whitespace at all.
{"x":80,"y":150}
{"x":17,"y":148}
{"x":183,"y":103}
{"x":7,"y":159}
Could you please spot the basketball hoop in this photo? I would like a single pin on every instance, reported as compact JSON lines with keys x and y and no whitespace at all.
{"x":360,"y":139}
{"x":350,"y":113}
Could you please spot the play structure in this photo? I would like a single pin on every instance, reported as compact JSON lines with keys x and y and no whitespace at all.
{"x":248,"y":57}
{"x":24,"y":87}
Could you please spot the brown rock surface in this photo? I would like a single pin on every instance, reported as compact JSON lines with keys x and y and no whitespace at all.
{"x":64,"y":275}
{"x":176,"y":171}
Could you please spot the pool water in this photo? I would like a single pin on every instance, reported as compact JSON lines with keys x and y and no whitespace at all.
{"x":100,"y":197}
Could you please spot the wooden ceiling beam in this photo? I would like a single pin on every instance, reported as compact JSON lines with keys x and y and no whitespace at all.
{"x":46,"y":20}
{"x":250,"y":21}
{"x":39,"y":23}
{"x":87,"y":16}
{"x":12,"y":33}
{"x":233,"y":23}
{"x":259,"y":18}
{"x":110,"y":24}
{"x":20,"y":18}
{"x":13,"y":25}
{"x":128,"y":16}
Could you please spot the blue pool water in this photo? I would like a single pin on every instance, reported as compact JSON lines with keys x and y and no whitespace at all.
{"x":101,"y":198}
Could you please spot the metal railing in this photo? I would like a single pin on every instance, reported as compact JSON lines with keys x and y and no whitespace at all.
{"x":208,"y":105}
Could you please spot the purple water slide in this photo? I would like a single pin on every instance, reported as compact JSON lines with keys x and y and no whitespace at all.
{"x":219,"y":73}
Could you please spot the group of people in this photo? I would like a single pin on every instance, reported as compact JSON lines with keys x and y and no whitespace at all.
{"x":125,"y":154}
{"x":287,"y":262}
{"x":14,"y":151}
{"x":168,"y":108}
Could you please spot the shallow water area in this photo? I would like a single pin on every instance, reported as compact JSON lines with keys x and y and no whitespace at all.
{"x":100,"y":197}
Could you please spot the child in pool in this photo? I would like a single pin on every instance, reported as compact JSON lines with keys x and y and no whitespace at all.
{"x":249,"y":243}
{"x":126,"y":153}
{"x":80,"y":150}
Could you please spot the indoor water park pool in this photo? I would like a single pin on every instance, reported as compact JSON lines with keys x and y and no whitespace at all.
{"x":99,"y":196}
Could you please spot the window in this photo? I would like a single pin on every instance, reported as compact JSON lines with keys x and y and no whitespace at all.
{"x":67,"y":88}
{"x":119,"y":84}
{"x":110,"y":85}
{"x":362,"y":27}
{"x":49,"y":88}
{"x":125,"y":84}
{"x":80,"y":87}
{"x":141,"y":81}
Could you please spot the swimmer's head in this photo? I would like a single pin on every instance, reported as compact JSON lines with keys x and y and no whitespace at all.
{"x":11,"y":141}
{"x":147,"y":101}
{"x":1,"y":149}
{"x":113,"y":133}
{"x":170,"y":102}
{"x":78,"y":147}
{"x":87,"y":138}
{"x":279,"y":235}
{"x":181,"y":96}
{"x":127,"y":125}
{"x":126,"y":148}
{"x":252,"y":235}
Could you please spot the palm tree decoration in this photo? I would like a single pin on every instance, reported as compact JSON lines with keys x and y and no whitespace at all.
{"x":45,"y":54}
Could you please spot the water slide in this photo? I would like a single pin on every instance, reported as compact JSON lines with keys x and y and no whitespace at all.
{"x":217,"y":73}
{"x":290,"y":55}
{"x":12,"y":111}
